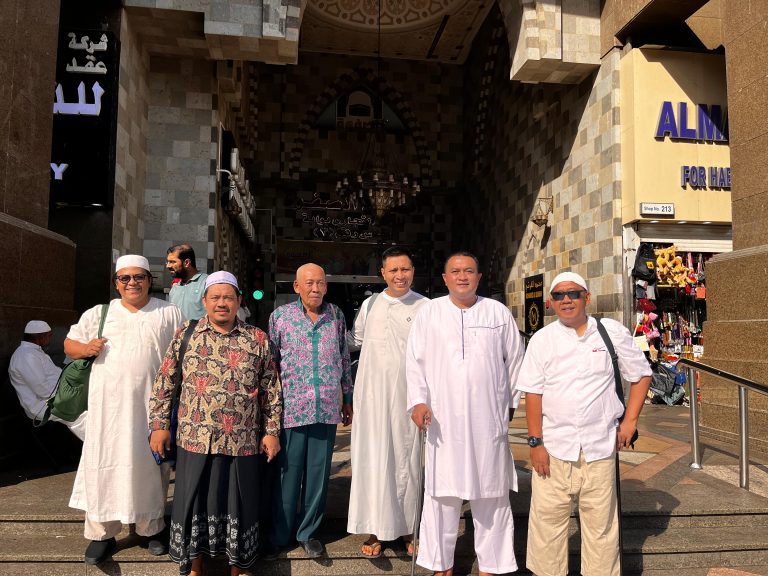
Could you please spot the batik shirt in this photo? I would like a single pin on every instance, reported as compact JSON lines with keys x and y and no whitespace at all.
{"x":230,"y":390}
{"x":313,"y":361}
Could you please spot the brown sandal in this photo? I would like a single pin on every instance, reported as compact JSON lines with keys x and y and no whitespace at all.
{"x":371,"y":549}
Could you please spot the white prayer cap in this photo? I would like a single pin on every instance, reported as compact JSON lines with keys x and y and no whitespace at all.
{"x":37,"y":327}
{"x":221,"y":277}
{"x":132,"y":261}
{"x":568,"y":277}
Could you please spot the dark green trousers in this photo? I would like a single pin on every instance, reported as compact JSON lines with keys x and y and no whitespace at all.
{"x":301,"y":486}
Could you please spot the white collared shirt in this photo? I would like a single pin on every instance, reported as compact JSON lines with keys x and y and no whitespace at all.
{"x":574,"y":375}
{"x":34,"y":376}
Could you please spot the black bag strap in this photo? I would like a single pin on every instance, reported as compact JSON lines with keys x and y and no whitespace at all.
{"x":179,"y":376}
{"x":614,"y":359}
{"x":616,"y":373}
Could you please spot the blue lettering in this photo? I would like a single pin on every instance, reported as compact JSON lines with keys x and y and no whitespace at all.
{"x":667,"y":124}
{"x":702,"y":180}
{"x":728,"y":177}
{"x":710,"y":123}
{"x":713,"y":174}
{"x":682,"y":116}
{"x":686,"y":170}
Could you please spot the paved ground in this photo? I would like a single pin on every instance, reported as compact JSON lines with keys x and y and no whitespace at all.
{"x":656,"y":477}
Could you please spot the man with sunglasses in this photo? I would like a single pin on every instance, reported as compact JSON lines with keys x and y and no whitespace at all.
{"x":574,"y":431}
{"x":118,"y":481}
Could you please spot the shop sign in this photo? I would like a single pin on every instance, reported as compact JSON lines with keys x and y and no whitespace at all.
{"x":534,"y":303}
{"x":84,"y":118}
{"x":711,"y":123}
{"x":656,"y":209}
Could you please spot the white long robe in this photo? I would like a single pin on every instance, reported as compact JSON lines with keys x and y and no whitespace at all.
{"x":385,"y":456}
{"x":463,"y":364}
{"x":117,"y":478}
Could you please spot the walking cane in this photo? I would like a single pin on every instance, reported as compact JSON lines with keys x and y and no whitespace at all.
{"x":618,"y":515}
{"x":420,"y":498}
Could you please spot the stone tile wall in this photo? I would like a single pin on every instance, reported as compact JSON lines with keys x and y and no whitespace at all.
{"x":182,"y":147}
{"x":543,"y":141}
{"x":130,"y":143}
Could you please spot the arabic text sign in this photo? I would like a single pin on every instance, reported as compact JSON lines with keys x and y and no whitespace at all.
{"x":84,"y":118}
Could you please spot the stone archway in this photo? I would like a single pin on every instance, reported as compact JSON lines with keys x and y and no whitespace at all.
{"x":362,"y":76}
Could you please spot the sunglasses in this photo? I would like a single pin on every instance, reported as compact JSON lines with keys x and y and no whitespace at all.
{"x":572,"y":294}
{"x":138,"y":278}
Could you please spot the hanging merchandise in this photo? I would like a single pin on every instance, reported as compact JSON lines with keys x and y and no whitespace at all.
{"x":670,"y":269}
{"x":645,"y":263}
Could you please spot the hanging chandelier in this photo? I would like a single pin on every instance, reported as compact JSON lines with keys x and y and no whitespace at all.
{"x":376,"y":183}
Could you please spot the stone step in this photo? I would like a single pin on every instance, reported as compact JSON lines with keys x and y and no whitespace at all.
{"x":57,"y":548}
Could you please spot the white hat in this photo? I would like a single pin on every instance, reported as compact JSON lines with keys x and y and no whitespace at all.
{"x":221,"y":277}
{"x":568,"y":277}
{"x":37,"y":327}
{"x":132,"y":261}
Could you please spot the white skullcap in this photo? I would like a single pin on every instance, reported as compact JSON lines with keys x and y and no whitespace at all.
{"x":132,"y":261}
{"x":221,"y":277}
{"x":568,"y":277}
{"x":37,"y":327}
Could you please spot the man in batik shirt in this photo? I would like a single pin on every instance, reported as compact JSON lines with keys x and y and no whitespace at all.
{"x":229,"y":412}
{"x":309,"y":341}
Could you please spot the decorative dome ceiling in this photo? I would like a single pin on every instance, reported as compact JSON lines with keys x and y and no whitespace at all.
{"x":440,"y":30}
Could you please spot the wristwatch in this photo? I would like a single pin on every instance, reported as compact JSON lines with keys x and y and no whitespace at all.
{"x":534,"y":441}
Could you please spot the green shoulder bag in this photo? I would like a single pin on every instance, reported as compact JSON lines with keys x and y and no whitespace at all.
{"x":70,"y":397}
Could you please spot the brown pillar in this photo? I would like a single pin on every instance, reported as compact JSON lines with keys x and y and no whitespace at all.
{"x":36,"y":265}
{"x":736,"y":333}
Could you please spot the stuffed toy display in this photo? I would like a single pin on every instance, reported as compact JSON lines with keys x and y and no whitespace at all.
{"x":670,"y":269}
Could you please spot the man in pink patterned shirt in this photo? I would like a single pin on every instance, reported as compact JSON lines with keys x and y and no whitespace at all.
{"x":310,"y":345}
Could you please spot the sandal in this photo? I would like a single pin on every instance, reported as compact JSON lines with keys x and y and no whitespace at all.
{"x":409,"y":546}
{"x":371,"y":549}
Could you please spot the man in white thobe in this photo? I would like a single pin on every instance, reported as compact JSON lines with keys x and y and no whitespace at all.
{"x":385,"y":456}
{"x":118,"y":481}
{"x":463,"y":355}
{"x":34,"y":375}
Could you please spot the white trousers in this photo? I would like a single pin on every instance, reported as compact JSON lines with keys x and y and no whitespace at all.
{"x":77,"y":427}
{"x":494,"y":533}
{"x":105,"y":530}
{"x":593,"y":485}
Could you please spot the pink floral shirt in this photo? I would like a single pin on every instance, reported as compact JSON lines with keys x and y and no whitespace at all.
{"x":313,"y":361}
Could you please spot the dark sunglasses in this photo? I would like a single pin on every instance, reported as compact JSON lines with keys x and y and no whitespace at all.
{"x":572,"y":294}
{"x":138,"y":278}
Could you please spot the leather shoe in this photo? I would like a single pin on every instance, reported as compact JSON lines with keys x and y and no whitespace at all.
{"x":270,"y":551}
{"x":155,"y":545}
{"x":312,"y":547}
{"x":99,"y":550}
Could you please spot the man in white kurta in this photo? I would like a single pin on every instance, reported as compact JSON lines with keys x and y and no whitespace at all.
{"x":463,"y":355}
{"x":118,"y":481}
{"x":385,"y":456}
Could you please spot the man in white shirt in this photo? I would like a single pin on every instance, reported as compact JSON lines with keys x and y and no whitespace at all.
{"x":573,"y":414}
{"x":462,"y":359}
{"x":34,"y":375}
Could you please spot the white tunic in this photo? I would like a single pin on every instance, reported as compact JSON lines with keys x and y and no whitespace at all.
{"x":574,"y":375}
{"x":385,"y":458}
{"x":463,"y":364}
{"x":118,"y":478}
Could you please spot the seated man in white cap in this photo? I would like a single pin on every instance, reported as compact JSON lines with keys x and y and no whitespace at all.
{"x":34,"y":375}
{"x":573,"y":413}
{"x":118,"y":481}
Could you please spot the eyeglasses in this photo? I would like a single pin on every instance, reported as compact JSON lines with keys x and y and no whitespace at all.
{"x":572,"y":294}
{"x":138,"y":278}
